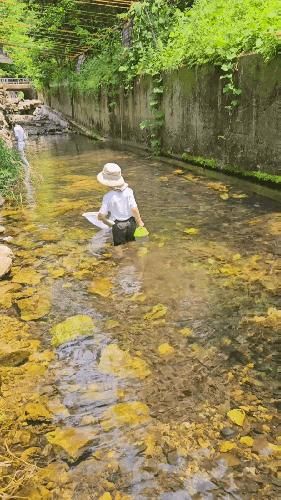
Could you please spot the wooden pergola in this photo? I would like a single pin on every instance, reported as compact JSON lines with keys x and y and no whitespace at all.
{"x":93,"y":14}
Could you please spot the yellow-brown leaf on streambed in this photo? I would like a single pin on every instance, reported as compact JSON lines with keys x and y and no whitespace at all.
{"x":191,"y":177}
{"x":56,"y":272}
{"x":114,"y":361}
{"x":35,"y":307}
{"x":224,"y":196}
{"x":246,"y":441}
{"x":130,"y":413}
{"x":111,"y":323}
{"x":275,"y":449}
{"x":272,"y":320}
{"x":237,"y":196}
{"x":229,"y":270}
{"x":138,"y":297}
{"x":237,"y":416}
{"x":106,"y":496}
{"x":36,"y":412}
{"x":71,"y":440}
{"x":217,"y":186}
{"x":236,"y":257}
{"x":191,"y":230}
{"x":71,"y":328}
{"x":227,"y":446}
{"x":27,"y":276}
{"x":157,"y":312}
{"x":165,"y":349}
{"x":102,"y":287}
{"x":186,"y":332}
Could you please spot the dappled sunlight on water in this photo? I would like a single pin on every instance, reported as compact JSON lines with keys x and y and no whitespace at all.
{"x":167,"y":337}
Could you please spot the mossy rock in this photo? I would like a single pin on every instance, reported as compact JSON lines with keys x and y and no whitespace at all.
{"x":71,"y":328}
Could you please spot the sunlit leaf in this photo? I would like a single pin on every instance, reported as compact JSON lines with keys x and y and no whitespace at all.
{"x":72,"y":328}
{"x":166,"y":349}
{"x":247,"y":441}
{"x":157,"y":312}
{"x":237,"y":416}
{"x":224,"y":196}
{"x":191,"y":230}
{"x":227,"y":446}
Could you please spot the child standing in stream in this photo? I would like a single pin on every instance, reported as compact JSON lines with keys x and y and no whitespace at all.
{"x":119,"y":209}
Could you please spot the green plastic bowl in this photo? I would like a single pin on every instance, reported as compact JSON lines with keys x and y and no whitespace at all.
{"x":141,"y":232}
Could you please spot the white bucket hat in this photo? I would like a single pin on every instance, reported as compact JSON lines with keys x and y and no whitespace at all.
{"x":111,"y":176}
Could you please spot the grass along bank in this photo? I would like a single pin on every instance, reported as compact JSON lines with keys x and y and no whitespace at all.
{"x":10,"y":173}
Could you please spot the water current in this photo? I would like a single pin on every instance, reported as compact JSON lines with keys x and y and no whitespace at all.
{"x":185,"y":330}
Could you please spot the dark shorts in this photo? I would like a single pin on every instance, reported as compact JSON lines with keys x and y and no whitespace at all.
{"x":123,"y":231}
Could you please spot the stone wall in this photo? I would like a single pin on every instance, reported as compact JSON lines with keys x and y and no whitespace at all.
{"x":196,"y":120}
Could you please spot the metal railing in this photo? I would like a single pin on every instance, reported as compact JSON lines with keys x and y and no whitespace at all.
{"x":14,"y":81}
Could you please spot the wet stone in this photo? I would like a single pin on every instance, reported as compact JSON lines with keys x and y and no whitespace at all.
{"x":172,"y":458}
{"x":15,"y":358}
{"x":228,"y":432}
{"x":8,"y":239}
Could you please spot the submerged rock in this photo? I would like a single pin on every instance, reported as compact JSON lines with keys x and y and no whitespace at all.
{"x":8,"y":239}
{"x":71,"y":441}
{"x":71,"y":328}
{"x":2,"y":229}
{"x":14,"y":358}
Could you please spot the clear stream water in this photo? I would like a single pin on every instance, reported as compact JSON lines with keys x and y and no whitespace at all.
{"x":210,"y":282}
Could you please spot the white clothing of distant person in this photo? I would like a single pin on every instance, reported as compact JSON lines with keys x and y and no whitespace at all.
{"x":21,"y":137}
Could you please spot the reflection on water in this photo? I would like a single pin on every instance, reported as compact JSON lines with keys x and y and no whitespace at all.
{"x":184,"y":302}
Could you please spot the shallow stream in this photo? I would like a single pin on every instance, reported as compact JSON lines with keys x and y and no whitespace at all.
{"x":185,"y":330}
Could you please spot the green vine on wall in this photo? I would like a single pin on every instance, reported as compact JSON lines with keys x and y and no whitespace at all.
{"x":229,"y":88}
{"x":154,"y":125}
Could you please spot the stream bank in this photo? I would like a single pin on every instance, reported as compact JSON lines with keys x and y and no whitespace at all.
{"x":150,"y":376}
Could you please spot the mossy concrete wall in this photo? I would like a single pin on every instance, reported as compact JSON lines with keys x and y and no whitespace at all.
{"x":196,"y":118}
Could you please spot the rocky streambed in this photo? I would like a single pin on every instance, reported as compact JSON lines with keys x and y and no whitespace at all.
{"x":151,"y":376}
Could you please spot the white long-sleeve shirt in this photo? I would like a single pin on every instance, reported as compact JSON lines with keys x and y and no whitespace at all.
{"x":20,"y":134}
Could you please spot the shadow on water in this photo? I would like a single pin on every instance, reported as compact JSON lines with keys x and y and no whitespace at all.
{"x":187,"y":313}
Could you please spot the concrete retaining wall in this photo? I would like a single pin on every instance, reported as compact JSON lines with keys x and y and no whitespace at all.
{"x":196,"y":119}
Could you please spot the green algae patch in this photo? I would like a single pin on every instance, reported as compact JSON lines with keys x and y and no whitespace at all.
{"x":71,"y":328}
{"x":264,"y":178}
